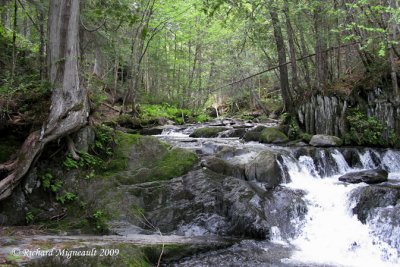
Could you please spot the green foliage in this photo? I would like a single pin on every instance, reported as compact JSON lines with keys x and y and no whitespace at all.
{"x":66,"y":197}
{"x":99,"y":220}
{"x":294,"y":131}
{"x":29,"y":217}
{"x":85,"y":160}
{"x":48,"y":182}
{"x":202,"y":118}
{"x":70,"y":163}
{"x":367,"y":130}
{"x":148,"y":112}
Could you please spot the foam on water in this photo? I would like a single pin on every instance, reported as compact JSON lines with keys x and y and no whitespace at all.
{"x":331,"y":234}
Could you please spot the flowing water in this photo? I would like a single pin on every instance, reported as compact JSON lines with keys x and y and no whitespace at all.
{"x":330,"y":235}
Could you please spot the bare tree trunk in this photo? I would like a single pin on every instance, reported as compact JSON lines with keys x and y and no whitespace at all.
{"x":292,"y":50}
{"x":69,"y":103}
{"x":393,"y":67}
{"x":42,"y":45}
{"x":320,"y":48}
{"x":304,"y":52}
{"x":14,"y":39}
{"x":283,"y":71}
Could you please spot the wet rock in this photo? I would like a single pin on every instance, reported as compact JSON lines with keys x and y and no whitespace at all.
{"x":252,"y":136}
{"x":325,"y":140}
{"x":273,"y":135}
{"x":204,"y":202}
{"x":369,"y":198}
{"x":246,"y":253}
{"x":265,"y":168}
{"x":151,"y":131}
{"x":385,"y":223}
{"x":370,"y":177}
{"x":237,"y":132}
{"x":223,"y":167}
{"x":207,"y":132}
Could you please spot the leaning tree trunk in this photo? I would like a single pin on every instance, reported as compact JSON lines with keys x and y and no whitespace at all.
{"x":69,"y":104}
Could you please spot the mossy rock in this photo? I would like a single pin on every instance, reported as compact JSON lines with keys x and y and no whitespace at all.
{"x":273,"y":135}
{"x":129,"y":121}
{"x":139,"y":159}
{"x":207,"y":132}
{"x":252,"y":136}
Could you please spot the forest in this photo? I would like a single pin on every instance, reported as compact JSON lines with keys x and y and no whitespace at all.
{"x":172,"y":121}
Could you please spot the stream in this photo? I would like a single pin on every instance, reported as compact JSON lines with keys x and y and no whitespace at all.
{"x":246,"y":204}
{"x":330,"y":234}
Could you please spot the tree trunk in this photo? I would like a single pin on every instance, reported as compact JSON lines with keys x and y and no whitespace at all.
{"x":292,"y":50}
{"x":69,"y":103}
{"x":280,"y":46}
{"x":14,"y":39}
{"x":392,"y":38}
{"x":320,"y":48}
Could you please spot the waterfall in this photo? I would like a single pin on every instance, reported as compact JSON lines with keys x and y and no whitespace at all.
{"x":331,"y":234}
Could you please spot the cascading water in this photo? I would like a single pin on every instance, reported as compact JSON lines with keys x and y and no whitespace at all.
{"x":331,"y":234}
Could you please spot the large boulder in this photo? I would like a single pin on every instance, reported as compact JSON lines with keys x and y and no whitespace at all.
{"x":369,"y":198}
{"x":221,"y":166}
{"x":273,"y":135}
{"x":236,"y":132}
{"x":369,"y":176}
{"x":379,"y":207}
{"x":207,"y":132}
{"x":265,"y":168}
{"x":253,"y":134}
{"x":204,"y":202}
{"x":325,"y":140}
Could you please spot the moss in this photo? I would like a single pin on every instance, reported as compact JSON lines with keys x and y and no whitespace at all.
{"x":124,"y":143}
{"x":139,"y":159}
{"x":175,"y":163}
{"x":207,"y":132}
{"x":251,"y":136}
{"x":273,"y":135}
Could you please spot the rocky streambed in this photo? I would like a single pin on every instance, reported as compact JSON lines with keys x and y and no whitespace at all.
{"x":218,"y":201}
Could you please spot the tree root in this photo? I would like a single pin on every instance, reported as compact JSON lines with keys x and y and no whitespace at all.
{"x":72,"y":149}
{"x":9,"y":166}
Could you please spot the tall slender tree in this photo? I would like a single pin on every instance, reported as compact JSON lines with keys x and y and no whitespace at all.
{"x":69,"y":108}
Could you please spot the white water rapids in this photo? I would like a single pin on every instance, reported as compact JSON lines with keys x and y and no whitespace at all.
{"x":331,"y":234}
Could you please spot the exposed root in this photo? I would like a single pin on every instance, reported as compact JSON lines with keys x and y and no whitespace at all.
{"x":71,"y":148}
{"x":8,"y":166}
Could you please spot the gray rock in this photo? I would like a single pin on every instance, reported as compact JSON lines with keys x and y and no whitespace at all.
{"x":205,"y":202}
{"x":370,"y":177}
{"x":237,"y":132}
{"x":223,"y":167}
{"x":84,"y":138}
{"x":325,"y":140}
{"x":252,"y":136}
{"x":273,"y":135}
{"x":265,"y":168}
{"x":207,"y":132}
{"x":369,"y":198}
{"x":151,"y":131}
